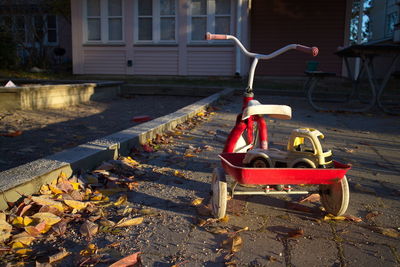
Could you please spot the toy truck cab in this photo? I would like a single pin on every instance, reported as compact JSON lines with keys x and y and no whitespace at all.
{"x":304,"y":150}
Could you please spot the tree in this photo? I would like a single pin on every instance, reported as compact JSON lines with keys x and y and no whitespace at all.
{"x":355,"y":13}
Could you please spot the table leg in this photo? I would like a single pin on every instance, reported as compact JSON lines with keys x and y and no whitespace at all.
{"x":384,"y":83}
{"x":368,"y":62}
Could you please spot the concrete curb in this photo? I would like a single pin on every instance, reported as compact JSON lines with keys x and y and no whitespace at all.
{"x":27,"y":179}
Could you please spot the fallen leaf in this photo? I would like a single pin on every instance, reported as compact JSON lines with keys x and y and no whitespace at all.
{"x":311,"y":198}
{"x":121,"y":200}
{"x":385,"y":231}
{"x":55,"y":190}
{"x":47,"y":202}
{"x":188,"y":155}
{"x":233,"y":244}
{"x":21,"y":221}
{"x":197,"y":201}
{"x":24,"y":210}
{"x":5,"y":230}
{"x":353,"y":218}
{"x":298,"y":207}
{"x":45,"y":190}
{"x":89,"y":250}
{"x":372,"y":214}
{"x":107,"y":223}
{"x":23,"y":238}
{"x":48,"y":217}
{"x":51,"y":209}
{"x":131,"y":260}
{"x":224,"y":219}
{"x":129,"y":222}
{"x":147,"y":148}
{"x":143,"y":118}
{"x":330,"y":217}
{"x":295,"y":233}
{"x":36,"y":230}
{"x":89,"y":229}
{"x":58,"y":256}
{"x":60,"y":228}
{"x":75,"y":204}
{"x":106,"y":166}
{"x":11,"y":134}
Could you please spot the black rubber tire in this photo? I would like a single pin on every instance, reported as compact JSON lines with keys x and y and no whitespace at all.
{"x":259,"y":162}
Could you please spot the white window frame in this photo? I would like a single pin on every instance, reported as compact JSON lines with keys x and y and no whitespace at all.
{"x":47,"y":31}
{"x":211,"y":7}
{"x":104,"y":37}
{"x":156,"y":18}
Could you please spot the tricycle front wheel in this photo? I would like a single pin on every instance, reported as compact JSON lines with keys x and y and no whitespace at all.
{"x":219,"y":193}
{"x":335,"y":197}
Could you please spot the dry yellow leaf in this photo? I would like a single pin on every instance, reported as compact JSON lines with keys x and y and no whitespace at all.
{"x":55,"y":190}
{"x":48,"y":217}
{"x":58,"y":256}
{"x":23,"y":238}
{"x":45,"y":190}
{"x":224,"y":219}
{"x":76,"y":186}
{"x":129,"y":222}
{"x":3,"y":216}
{"x":75,"y":204}
{"x":197,"y":201}
{"x":334,"y":218}
{"x":90,"y":250}
{"x":48,"y":202}
{"x":21,"y":221}
{"x":89,"y":229}
{"x":5,"y":230}
{"x":200,"y":114}
{"x":17,"y":245}
{"x":96,"y":197}
{"x":121,"y":200}
{"x":234,"y":244}
{"x":188,"y":155}
{"x":23,"y":251}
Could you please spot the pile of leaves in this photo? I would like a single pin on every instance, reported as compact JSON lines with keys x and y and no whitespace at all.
{"x":69,"y":203}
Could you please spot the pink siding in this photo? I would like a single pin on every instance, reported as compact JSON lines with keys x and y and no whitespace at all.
{"x":211,"y":61}
{"x":104,"y":61}
{"x":155,"y":60}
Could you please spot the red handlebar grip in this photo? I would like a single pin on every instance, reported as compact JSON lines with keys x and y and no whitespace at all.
{"x":309,"y":50}
{"x":210,"y":36}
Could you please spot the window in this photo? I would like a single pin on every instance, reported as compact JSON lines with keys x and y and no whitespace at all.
{"x":155,"y":21}
{"x":104,"y":21}
{"x":391,"y":20}
{"x":213,"y":16}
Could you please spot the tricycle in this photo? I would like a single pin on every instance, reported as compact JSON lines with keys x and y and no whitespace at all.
{"x":248,"y":159}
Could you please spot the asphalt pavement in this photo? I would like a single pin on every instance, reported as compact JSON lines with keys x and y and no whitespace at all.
{"x":273,"y":230}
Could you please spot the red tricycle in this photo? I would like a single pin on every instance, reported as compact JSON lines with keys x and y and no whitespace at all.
{"x":271,"y":177}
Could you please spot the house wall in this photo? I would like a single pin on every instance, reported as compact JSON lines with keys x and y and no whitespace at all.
{"x":276,"y":23}
{"x":379,"y":18}
{"x":183,"y":58}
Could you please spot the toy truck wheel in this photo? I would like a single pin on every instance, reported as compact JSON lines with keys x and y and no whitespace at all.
{"x":219,"y":193}
{"x":302,"y":165}
{"x":335,"y":197}
{"x":259,"y":162}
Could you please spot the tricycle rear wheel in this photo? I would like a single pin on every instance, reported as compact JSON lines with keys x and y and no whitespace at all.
{"x":335,"y":197}
{"x":219,"y":193}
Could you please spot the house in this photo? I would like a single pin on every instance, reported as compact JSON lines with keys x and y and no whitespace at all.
{"x":384,"y":16}
{"x":166,"y":37}
{"x":37,"y":29}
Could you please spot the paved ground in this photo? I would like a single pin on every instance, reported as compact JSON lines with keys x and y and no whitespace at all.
{"x":274,"y":231}
{"x":47,"y":131}
{"x":368,"y":141}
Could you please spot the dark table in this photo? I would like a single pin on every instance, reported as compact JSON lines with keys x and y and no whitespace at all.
{"x":367,"y":53}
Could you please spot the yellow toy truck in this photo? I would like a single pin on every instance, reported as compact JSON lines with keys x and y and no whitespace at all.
{"x":304,"y":150}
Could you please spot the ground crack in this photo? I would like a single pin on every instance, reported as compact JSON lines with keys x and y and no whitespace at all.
{"x":338,"y":241}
